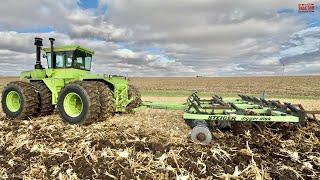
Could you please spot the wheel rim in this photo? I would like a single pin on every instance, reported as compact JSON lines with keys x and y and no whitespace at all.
{"x":13,"y":101}
{"x":73,"y":104}
{"x":201,"y":134}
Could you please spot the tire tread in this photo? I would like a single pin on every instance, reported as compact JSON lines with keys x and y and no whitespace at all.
{"x":45,"y":95}
{"x":31,"y":100}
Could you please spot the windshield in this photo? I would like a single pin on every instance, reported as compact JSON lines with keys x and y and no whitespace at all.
{"x":82,"y":60}
{"x":71,"y":59}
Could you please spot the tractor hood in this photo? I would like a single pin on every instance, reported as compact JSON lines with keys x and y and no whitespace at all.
{"x":36,"y":74}
{"x":25,"y":75}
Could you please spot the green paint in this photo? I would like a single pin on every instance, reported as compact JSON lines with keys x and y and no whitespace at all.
{"x":25,"y":75}
{"x":210,"y":110}
{"x":38,"y":74}
{"x":13,"y":101}
{"x":162,"y":105}
{"x":73,"y":104}
{"x":69,"y":48}
{"x":242,"y":118}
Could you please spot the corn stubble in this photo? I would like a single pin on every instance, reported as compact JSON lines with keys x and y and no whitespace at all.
{"x":153,"y":144}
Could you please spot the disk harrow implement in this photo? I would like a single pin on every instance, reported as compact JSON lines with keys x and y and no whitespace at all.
{"x":205,"y":115}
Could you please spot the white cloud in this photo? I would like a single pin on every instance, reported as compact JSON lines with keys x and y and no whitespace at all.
{"x":303,"y":42}
{"x":214,"y":38}
{"x":126,"y":53}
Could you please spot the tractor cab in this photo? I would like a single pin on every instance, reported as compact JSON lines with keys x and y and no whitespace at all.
{"x":71,"y":56}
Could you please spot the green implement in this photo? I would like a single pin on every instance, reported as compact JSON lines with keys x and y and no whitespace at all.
{"x":161,"y":105}
{"x":203,"y":115}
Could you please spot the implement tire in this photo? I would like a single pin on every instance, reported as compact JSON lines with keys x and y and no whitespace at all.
{"x":78,"y":103}
{"x":133,"y":92}
{"x":45,"y":97}
{"x":19,"y":100}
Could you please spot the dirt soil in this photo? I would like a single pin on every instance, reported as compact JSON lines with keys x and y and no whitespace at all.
{"x":284,"y":86}
{"x":155,"y":144}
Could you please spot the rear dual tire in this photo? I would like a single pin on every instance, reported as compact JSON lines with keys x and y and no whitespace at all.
{"x":45,"y":98}
{"x":20,"y":100}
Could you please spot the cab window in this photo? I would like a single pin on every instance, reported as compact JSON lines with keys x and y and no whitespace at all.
{"x":59,"y":60}
{"x":49,"y":60}
{"x":70,"y":59}
{"x":87,"y":62}
{"x":69,"y":62}
{"x":69,"y":56}
{"x":79,"y":64}
{"x":82,"y":60}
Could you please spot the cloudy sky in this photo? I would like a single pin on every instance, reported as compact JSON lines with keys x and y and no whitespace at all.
{"x":167,"y":38}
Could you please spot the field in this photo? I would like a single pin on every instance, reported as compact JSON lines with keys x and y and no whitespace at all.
{"x":304,"y":87}
{"x":155,"y":144}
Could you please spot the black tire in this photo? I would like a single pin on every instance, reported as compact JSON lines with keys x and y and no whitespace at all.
{"x":90,"y":98}
{"x":45,"y":97}
{"x":29,"y":101}
{"x":133,"y":92}
{"x":106,"y":99}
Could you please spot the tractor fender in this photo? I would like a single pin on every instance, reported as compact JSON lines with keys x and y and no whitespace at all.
{"x":107,"y":83}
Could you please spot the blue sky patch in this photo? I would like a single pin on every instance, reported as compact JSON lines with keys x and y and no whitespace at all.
{"x":310,"y":19}
{"x":35,"y":30}
{"x":285,"y":10}
{"x":88,"y":4}
{"x":153,"y":50}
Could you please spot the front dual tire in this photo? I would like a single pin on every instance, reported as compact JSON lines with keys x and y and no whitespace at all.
{"x":78,"y":103}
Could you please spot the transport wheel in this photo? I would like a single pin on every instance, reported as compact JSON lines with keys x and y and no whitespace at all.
{"x":45,"y":97}
{"x":19,"y":100}
{"x":133,"y":92}
{"x":106,"y":100}
{"x":78,"y":103}
{"x":201,"y":134}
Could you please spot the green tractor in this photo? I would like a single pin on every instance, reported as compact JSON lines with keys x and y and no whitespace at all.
{"x":80,"y":97}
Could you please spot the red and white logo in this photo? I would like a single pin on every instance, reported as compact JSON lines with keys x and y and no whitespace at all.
{"x":309,"y":7}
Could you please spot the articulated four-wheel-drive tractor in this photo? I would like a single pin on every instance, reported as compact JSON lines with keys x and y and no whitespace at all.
{"x":80,"y":97}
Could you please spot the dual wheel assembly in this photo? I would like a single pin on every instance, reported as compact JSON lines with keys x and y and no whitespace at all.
{"x":79,"y":102}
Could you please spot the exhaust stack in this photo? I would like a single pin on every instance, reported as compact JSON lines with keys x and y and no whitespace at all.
{"x":51,"y":49}
{"x":38,"y":44}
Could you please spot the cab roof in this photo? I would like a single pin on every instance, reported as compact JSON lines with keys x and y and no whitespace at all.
{"x":69,"y":48}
